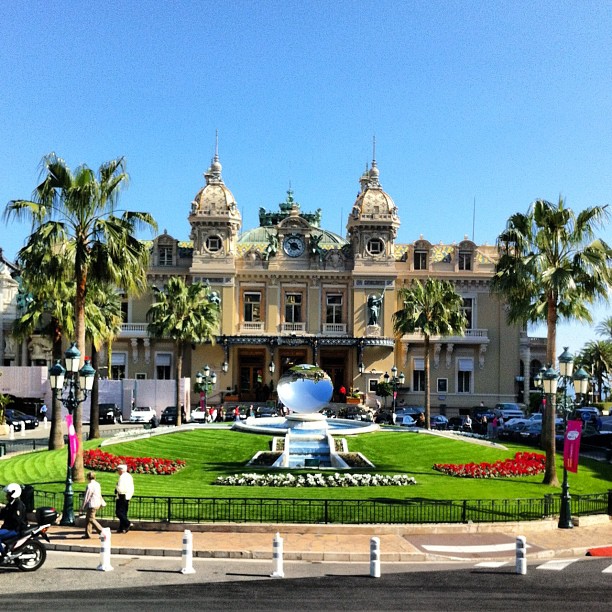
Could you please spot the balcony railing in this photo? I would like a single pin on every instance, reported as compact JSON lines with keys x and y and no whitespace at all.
{"x":252,"y":326}
{"x":133,"y":330}
{"x":293,"y":327}
{"x":471,"y":336}
{"x":334,"y":328}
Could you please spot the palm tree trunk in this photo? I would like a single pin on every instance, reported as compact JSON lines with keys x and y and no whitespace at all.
{"x":94,"y":415}
{"x":427,"y":383}
{"x":56,"y":436}
{"x":548,"y":429}
{"x":78,"y":471}
{"x":179,"y":372}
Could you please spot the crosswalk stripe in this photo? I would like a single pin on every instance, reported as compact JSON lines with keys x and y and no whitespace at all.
{"x":491,"y":564}
{"x":556,"y":564}
{"x":608,"y":570}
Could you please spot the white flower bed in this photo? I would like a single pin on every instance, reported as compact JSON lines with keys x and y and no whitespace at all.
{"x":315,"y":480}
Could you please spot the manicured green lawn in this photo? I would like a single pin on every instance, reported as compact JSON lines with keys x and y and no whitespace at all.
{"x":211,"y":453}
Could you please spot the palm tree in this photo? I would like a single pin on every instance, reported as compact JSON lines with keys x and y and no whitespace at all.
{"x":103,"y":324}
{"x":596,"y":357}
{"x":551,"y":266}
{"x":50,"y":311}
{"x":433,"y":308}
{"x":186,"y":315}
{"x":73,"y":218}
{"x":604,"y":328}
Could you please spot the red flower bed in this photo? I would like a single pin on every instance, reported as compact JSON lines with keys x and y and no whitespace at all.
{"x":105,"y":462}
{"x":523,"y":464}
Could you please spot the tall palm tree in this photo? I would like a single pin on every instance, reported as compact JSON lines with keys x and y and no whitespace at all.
{"x":551,"y":266}
{"x":74,"y":218}
{"x":433,"y":308}
{"x":103,"y":324}
{"x":50,"y":311}
{"x":185,"y":314}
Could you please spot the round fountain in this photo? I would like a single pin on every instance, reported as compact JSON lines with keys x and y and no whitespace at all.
{"x":304,"y":390}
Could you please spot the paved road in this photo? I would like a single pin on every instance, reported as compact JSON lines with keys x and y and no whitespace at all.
{"x":69,"y":581}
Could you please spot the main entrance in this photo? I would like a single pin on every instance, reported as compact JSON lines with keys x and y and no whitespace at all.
{"x":251,"y":367}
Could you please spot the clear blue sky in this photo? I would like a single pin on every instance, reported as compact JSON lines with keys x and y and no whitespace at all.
{"x":497,"y":103}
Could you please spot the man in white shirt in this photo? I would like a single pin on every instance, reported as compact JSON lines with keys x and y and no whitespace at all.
{"x":124,"y":491}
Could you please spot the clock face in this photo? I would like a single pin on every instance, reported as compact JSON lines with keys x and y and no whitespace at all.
{"x":294,"y":245}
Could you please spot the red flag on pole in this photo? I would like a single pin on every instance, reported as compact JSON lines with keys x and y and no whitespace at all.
{"x":571,"y":447}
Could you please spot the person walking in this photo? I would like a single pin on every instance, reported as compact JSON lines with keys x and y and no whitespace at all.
{"x":124,"y":491}
{"x":91,"y":503}
{"x":43,"y":412}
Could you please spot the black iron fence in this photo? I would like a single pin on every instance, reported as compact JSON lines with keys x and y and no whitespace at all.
{"x":340,"y":511}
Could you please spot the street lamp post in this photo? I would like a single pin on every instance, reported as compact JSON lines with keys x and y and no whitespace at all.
{"x":538,"y":381}
{"x":204,"y":381}
{"x":395,"y":381}
{"x":78,"y":383}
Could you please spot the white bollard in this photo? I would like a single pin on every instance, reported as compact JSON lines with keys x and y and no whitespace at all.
{"x":11,"y":432}
{"x":375,"y":558}
{"x":187,"y":553}
{"x":521,"y":555}
{"x":45,"y":423}
{"x":105,"y":551}
{"x":22,"y":430}
{"x":277,"y":556}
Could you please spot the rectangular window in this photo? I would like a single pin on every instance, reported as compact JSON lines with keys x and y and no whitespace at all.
{"x":124,"y":311}
{"x":468,"y":309}
{"x":420,"y":260}
{"x":464,"y":375}
{"x":333,"y":312}
{"x":293,"y":308}
{"x":165,"y":255}
{"x":442,"y":385}
{"x":118,"y":366}
{"x":163,"y":366}
{"x":252,"y":307}
{"x":418,"y":375}
{"x":465,"y":260}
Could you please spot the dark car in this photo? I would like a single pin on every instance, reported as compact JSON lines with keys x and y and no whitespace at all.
{"x":109,"y":414}
{"x":168,"y":416}
{"x":19,"y":420}
{"x":266,"y":411}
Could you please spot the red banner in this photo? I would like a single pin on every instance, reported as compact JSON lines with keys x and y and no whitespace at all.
{"x":571,"y":447}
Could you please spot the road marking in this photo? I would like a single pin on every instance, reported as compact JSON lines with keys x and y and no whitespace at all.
{"x":470,"y":549}
{"x":608,"y":570}
{"x":491,"y":564}
{"x":556,"y":564}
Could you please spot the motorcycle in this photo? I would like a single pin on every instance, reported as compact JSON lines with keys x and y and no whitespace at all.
{"x":25,"y":551}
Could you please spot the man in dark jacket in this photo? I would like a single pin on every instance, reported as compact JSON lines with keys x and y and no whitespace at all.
{"x":14,"y":515}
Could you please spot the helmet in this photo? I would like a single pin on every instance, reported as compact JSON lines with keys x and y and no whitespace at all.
{"x":13,"y":490}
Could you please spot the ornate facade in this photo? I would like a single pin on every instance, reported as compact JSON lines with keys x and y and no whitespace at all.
{"x":292,"y":292}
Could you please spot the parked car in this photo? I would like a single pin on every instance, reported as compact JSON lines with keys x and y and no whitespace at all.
{"x":508,"y":410}
{"x":143,"y":414}
{"x":168,"y":416}
{"x":438,"y":421}
{"x":109,"y":413}
{"x":457,"y":423}
{"x":19,"y":420}
{"x":406,"y":420}
{"x":198,"y":414}
{"x":266,"y":411}
{"x":587,"y":413}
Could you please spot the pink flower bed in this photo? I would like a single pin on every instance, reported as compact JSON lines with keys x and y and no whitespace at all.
{"x":105,"y":462}
{"x":523,"y":464}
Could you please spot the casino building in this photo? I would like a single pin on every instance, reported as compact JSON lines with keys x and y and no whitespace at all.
{"x":293,"y":292}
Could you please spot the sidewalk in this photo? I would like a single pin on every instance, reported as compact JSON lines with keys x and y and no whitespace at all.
{"x":346,"y":543}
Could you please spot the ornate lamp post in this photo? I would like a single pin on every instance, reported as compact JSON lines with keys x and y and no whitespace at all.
{"x":204,"y":382}
{"x":396,"y":382}
{"x":78,"y":383}
{"x":566,"y":367}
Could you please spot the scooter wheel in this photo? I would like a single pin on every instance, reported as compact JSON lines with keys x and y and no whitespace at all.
{"x":31,"y":557}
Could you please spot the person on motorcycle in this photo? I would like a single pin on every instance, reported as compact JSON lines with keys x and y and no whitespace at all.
{"x":14,"y":515}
